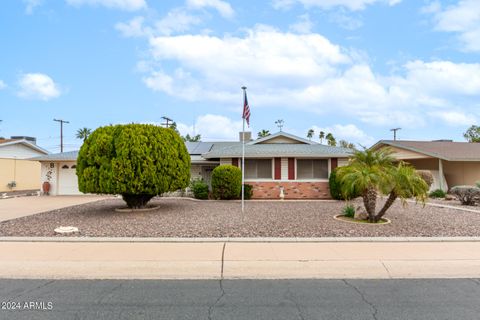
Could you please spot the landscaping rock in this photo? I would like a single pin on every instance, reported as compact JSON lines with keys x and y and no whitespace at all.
{"x":360,"y":214}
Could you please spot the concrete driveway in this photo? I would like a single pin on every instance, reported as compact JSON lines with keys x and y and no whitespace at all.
{"x":25,"y":206}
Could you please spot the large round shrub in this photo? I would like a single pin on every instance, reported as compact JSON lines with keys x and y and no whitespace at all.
{"x":226,"y":182}
{"x":335,"y":188}
{"x":138,"y":161}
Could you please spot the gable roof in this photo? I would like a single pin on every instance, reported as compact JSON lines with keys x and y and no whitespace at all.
{"x":282,"y":134}
{"x":445,"y":150}
{"x":10,"y":142}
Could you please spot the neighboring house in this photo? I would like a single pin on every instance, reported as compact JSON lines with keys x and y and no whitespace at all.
{"x":16,"y":172}
{"x":280,"y":161}
{"x":451,"y":163}
{"x":59,"y":169}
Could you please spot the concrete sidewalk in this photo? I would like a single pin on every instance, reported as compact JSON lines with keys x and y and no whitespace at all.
{"x":235,"y":260}
{"x":18,"y":207}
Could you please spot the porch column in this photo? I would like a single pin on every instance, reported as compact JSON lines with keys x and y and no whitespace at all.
{"x":440,"y":173}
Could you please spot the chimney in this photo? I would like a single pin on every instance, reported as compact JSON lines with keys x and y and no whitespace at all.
{"x":246,"y":134}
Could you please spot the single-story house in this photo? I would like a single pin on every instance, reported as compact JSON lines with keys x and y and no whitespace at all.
{"x":451,"y":163}
{"x":277,"y":162}
{"x":17,"y":173}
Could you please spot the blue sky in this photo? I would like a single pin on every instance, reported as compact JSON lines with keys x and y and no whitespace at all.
{"x":355,"y":68}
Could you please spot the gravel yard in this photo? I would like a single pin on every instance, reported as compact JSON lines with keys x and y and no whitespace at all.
{"x":189,"y":218}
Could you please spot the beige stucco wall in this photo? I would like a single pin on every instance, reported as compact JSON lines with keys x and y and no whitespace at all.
{"x":25,"y":173}
{"x":424,"y":164}
{"x":461,"y":172}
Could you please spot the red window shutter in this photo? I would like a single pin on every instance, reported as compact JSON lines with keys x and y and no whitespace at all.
{"x":278,"y":168}
{"x":291,"y":168}
{"x":333,"y":163}
{"x":235,"y":162}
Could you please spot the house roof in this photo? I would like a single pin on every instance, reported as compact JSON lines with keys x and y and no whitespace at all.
{"x":445,"y":150}
{"x":279,"y":150}
{"x":10,"y":142}
{"x":64,"y":156}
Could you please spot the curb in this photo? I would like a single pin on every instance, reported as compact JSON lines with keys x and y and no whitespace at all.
{"x":239,"y":240}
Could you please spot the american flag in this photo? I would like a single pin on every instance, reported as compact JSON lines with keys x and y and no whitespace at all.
{"x":246,"y":108}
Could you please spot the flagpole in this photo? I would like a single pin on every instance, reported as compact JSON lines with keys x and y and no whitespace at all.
{"x":243,"y":156}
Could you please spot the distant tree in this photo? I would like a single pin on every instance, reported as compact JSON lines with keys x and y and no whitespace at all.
{"x":346,"y":144}
{"x":195,"y":138}
{"x":263,"y":133}
{"x":331,"y":140}
{"x":83,"y":133}
{"x":310,"y":134}
{"x":321,"y":136}
{"x":472,"y":134}
{"x":173,"y":126}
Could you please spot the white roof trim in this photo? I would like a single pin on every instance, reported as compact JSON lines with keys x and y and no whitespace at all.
{"x":282,"y":134}
{"x":25,"y":143}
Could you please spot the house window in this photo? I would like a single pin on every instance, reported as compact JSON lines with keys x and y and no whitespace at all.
{"x":64,"y":166}
{"x":258,"y":168}
{"x":312,"y":169}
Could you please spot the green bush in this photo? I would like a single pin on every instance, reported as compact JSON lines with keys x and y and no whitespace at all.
{"x":439,"y":193}
{"x":199,"y":189}
{"x":467,"y":195}
{"x":226,"y":182}
{"x":247,"y":191}
{"x":335,"y":188}
{"x":138,"y":161}
{"x":349,"y":211}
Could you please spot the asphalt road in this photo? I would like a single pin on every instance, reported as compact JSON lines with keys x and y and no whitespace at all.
{"x":241,"y":299}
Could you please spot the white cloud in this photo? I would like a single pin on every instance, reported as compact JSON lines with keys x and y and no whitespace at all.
{"x":31,"y":5}
{"x":349,"y":132}
{"x":303,"y":25}
{"x":455,"y":118}
{"x":127,"y":5}
{"x":462,"y":19}
{"x":353,"y":5}
{"x":223,"y":7}
{"x":213,"y":127}
{"x":134,"y":28}
{"x":38,"y":86}
{"x":177,"y":20}
{"x":344,"y":20}
{"x":307,"y":73}
{"x":3,"y":85}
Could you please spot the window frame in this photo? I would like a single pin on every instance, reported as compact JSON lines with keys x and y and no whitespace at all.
{"x":312,"y":179}
{"x":272,"y":171}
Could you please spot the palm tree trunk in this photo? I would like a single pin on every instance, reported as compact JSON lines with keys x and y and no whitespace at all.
{"x":370,"y":201}
{"x":390,"y":200}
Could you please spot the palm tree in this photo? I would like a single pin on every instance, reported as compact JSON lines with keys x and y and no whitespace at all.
{"x":404,"y":182}
{"x":331,"y":140}
{"x":321,"y":136}
{"x":310,"y":134}
{"x":263,"y":133}
{"x":83,"y":133}
{"x":370,"y":172}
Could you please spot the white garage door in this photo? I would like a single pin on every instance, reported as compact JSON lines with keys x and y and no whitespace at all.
{"x":67,"y":179}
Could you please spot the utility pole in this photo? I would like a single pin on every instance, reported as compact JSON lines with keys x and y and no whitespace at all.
{"x":61,"y":132}
{"x":395,"y":133}
{"x":167,"y":121}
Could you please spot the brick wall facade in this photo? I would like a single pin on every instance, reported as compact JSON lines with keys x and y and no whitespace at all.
{"x":292,"y":190}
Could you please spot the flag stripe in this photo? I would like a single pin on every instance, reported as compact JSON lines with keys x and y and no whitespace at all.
{"x":246,"y":109}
